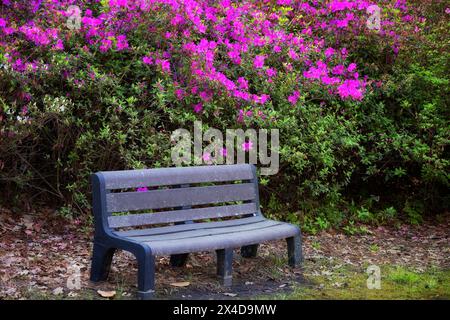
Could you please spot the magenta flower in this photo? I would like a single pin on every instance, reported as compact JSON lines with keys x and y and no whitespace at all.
{"x":59,"y":45}
{"x":293,"y":98}
{"x":164,"y":64}
{"x":329,"y":52}
{"x":206,"y":157}
{"x":198,"y":107}
{"x":351,"y":67}
{"x":122,"y":43}
{"x":350,"y":89}
{"x":338,"y":70}
{"x":243,"y":84}
{"x":258,"y":62}
{"x":247,"y":146}
{"x":271,"y":72}
{"x":147,"y":60}
{"x":224,"y":152}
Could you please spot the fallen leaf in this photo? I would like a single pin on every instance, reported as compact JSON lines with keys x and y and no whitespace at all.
{"x":180,"y":284}
{"x":106,"y":294}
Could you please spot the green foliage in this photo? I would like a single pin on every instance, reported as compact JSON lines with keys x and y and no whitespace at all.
{"x":341,"y":162}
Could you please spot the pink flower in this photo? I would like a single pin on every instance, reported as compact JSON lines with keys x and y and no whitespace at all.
{"x":262,"y":99}
{"x":165,"y":65}
{"x":329,"y":52}
{"x":293,"y":98}
{"x":122,"y":43}
{"x":271,"y":72}
{"x":235,"y":56}
{"x":330,"y":80}
{"x":206,"y":157}
{"x":206,"y":95}
{"x":142,"y":189}
{"x":351,"y":67}
{"x":247,"y":146}
{"x":350,"y":89}
{"x":59,"y":45}
{"x":106,"y":44}
{"x":293,"y":55}
{"x":179,"y":93}
{"x":118,"y":3}
{"x":338,"y":70}
{"x":258,"y":62}
{"x":224,"y":152}
{"x":147,"y":60}
{"x":243,"y":84}
{"x":198,"y":107}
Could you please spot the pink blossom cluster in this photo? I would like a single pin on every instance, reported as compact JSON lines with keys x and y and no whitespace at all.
{"x":207,"y":47}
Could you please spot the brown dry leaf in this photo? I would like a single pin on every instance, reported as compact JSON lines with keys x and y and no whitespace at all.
{"x":106,"y":294}
{"x":180,"y":284}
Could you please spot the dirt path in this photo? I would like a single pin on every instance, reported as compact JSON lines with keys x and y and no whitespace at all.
{"x":37,"y":258}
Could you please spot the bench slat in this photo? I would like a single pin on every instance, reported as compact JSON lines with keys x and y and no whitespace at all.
{"x":187,"y":227}
{"x":133,"y":220}
{"x":220,"y":241}
{"x":158,"y":199}
{"x":174,"y":176}
{"x":188,"y":234}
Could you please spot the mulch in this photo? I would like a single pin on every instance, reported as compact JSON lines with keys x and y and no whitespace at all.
{"x":38,"y":252}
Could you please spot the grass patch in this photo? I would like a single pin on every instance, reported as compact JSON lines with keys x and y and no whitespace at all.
{"x":396,"y":283}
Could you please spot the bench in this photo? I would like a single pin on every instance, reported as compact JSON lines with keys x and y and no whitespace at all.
{"x":181,"y":210}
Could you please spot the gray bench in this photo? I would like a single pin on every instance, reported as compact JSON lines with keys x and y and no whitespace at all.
{"x":184,"y":210}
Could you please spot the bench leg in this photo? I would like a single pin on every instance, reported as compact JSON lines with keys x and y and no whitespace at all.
{"x":146,"y":277}
{"x":225,"y":266}
{"x":178,"y":260}
{"x":249,"y":251}
{"x":101,"y":262}
{"x":294,"y":246}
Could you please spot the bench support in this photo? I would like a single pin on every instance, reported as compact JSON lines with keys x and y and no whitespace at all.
{"x":101,"y":262}
{"x":249,"y":251}
{"x":179,"y":260}
{"x":225,"y":266}
{"x":146,"y":275}
{"x":294,"y":248}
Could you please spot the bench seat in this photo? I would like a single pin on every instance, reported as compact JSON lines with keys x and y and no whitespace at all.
{"x":208,"y":236}
{"x":177,"y":211}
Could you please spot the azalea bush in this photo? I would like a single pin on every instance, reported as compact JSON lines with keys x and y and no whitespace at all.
{"x":100,"y":85}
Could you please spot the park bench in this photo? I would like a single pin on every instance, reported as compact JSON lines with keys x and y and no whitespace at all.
{"x":181,"y":210}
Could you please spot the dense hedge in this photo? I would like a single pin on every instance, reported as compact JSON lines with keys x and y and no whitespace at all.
{"x":363,"y":114}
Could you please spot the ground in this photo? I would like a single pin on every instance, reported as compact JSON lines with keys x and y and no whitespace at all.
{"x":39,"y":255}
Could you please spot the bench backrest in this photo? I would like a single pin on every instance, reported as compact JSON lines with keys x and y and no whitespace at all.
{"x":174,"y":195}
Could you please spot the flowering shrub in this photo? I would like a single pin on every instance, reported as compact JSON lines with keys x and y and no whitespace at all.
{"x":100,"y":84}
{"x":240,"y":51}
